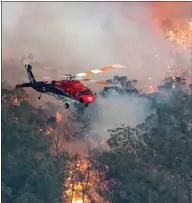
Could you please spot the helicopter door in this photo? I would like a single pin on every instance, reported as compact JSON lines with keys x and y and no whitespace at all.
{"x":72,"y":93}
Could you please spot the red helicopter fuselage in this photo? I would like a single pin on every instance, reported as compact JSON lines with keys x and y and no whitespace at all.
{"x":70,"y":91}
{"x":76,"y":90}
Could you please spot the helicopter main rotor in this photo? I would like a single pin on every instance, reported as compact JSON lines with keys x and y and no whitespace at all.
{"x":80,"y":76}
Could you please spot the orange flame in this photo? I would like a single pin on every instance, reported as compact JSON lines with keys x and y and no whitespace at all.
{"x":76,"y":186}
{"x":77,"y":201}
{"x":15,"y":101}
{"x":58,"y":117}
{"x":49,"y":131}
{"x":181,"y":36}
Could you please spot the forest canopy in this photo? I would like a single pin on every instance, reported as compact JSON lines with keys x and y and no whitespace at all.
{"x":149,"y":163}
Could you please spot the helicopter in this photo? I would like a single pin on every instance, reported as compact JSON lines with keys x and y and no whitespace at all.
{"x":70,"y":90}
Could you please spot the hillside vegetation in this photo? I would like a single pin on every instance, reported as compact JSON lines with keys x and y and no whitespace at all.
{"x":151,"y":163}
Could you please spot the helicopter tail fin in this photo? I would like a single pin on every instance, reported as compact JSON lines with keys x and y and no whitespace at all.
{"x":30,"y":73}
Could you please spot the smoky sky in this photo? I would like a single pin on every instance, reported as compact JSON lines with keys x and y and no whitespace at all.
{"x":72,"y":37}
{"x":78,"y":36}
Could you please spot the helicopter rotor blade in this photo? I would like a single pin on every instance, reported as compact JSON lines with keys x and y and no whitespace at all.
{"x":100,"y":82}
{"x":100,"y":70}
{"x":47,"y":78}
{"x":91,"y":72}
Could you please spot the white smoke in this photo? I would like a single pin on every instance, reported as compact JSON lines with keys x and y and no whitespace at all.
{"x":79,"y":36}
{"x":115,"y":110}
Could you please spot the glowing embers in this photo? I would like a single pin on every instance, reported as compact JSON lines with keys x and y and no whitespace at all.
{"x":77,"y":201}
{"x":76,"y":184}
{"x":15,"y":101}
{"x":151,"y":87}
{"x":50,"y":131}
{"x":181,"y":36}
{"x":175,"y":70}
{"x":82,"y":183}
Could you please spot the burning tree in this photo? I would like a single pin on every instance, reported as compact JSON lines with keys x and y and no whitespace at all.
{"x":30,"y":173}
{"x":82,"y":182}
{"x":181,"y":37}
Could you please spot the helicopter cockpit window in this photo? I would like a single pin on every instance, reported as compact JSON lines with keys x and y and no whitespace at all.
{"x":86,"y":92}
{"x":81,"y":93}
{"x":90,"y":92}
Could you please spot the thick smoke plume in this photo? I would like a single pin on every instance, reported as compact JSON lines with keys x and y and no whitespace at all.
{"x":115,"y":111}
{"x":77,"y":36}
{"x":72,"y":37}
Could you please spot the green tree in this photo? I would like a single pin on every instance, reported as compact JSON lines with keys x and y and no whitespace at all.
{"x":30,"y":173}
{"x":151,"y":163}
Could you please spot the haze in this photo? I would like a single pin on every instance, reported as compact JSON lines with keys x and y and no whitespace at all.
{"x":72,"y":37}
{"x":78,"y":36}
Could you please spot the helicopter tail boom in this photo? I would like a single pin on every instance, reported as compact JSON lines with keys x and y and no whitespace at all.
{"x":31,"y":77}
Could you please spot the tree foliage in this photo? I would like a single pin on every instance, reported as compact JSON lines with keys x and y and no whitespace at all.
{"x":149,"y":163}
{"x":30,"y":172}
{"x":152,"y":163}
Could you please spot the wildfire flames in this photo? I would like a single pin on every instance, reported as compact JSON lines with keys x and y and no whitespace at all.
{"x":82,"y":177}
{"x":74,"y":185}
{"x":58,"y":117}
{"x":180,"y":36}
{"x":77,"y":201}
{"x":16,"y":101}
{"x":50,"y":131}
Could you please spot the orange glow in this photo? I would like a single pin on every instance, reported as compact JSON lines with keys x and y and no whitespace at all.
{"x":76,"y":185}
{"x":174,"y":78}
{"x":152,"y":89}
{"x":58,"y":117}
{"x":49,"y":131}
{"x":180,"y":36}
{"x":77,"y":201}
{"x":190,"y":26}
{"x":15,"y":101}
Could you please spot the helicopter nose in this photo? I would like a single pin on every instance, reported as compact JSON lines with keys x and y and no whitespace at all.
{"x":89,"y":99}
